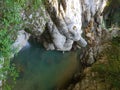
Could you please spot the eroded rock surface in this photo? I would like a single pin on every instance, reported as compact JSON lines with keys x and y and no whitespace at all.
{"x":20,"y":41}
{"x":65,"y":21}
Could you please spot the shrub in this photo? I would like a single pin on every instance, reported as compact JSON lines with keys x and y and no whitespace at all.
{"x":110,"y":71}
{"x":10,"y":23}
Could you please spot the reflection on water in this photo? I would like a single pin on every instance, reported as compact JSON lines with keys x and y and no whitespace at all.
{"x":43,"y":70}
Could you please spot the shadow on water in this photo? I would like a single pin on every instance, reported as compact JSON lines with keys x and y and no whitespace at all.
{"x":43,"y":70}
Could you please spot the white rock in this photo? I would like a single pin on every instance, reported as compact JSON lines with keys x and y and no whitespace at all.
{"x":67,"y":17}
{"x":21,"y":40}
{"x":89,"y":35}
{"x":30,"y":17}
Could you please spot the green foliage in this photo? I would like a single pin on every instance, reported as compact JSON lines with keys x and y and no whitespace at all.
{"x":8,"y":87}
{"x":8,"y":72}
{"x":11,"y":14}
{"x":112,"y":9}
{"x":116,"y":41}
{"x":36,"y":3}
{"x":10,"y":23}
{"x":10,"y":20}
{"x":29,"y":4}
{"x":109,"y":71}
{"x":109,"y":3}
{"x":5,"y":43}
{"x":13,"y":73}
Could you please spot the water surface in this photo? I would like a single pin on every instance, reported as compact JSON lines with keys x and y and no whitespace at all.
{"x":43,"y":70}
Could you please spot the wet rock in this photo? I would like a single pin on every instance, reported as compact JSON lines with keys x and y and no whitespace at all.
{"x":67,"y":18}
{"x":67,"y":22}
{"x":50,"y":46}
{"x":61,"y":43}
{"x":21,"y":41}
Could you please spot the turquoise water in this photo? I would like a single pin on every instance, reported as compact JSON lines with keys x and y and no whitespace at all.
{"x":43,"y":70}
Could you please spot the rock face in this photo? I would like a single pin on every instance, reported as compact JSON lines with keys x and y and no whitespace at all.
{"x":66,"y":21}
{"x":66,"y":24}
{"x":60,"y":24}
{"x":20,"y":42}
{"x":89,"y":82}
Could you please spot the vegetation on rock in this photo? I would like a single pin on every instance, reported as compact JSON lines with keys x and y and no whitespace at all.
{"x":108,"y":68}
{"x":10,"y":23}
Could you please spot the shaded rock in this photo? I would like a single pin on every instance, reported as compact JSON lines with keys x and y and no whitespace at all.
{"x":67,"y":19}
{"x":58,"y":41}
{"x":21,"y":41}
{"x":91,"y":59}
{"x":64,"y":20}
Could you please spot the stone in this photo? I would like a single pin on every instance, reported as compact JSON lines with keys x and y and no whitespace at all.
{"x":21,"y":41}
{"x":89,"y":35}
{"x":67,"y":23}
{"x":82,"y":42}
{"x":67,"y":18}
{"x":91,"y":59}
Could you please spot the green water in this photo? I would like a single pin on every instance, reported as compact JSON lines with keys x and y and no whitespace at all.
{"x":43,"y":70}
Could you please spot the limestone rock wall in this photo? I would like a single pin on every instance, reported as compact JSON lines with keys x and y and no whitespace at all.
{"x":65,"y":22}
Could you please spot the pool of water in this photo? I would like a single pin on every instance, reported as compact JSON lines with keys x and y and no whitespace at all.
{"x":43,"y":70}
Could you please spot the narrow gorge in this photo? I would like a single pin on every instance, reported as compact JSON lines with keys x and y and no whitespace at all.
{"x":57,"y":44}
